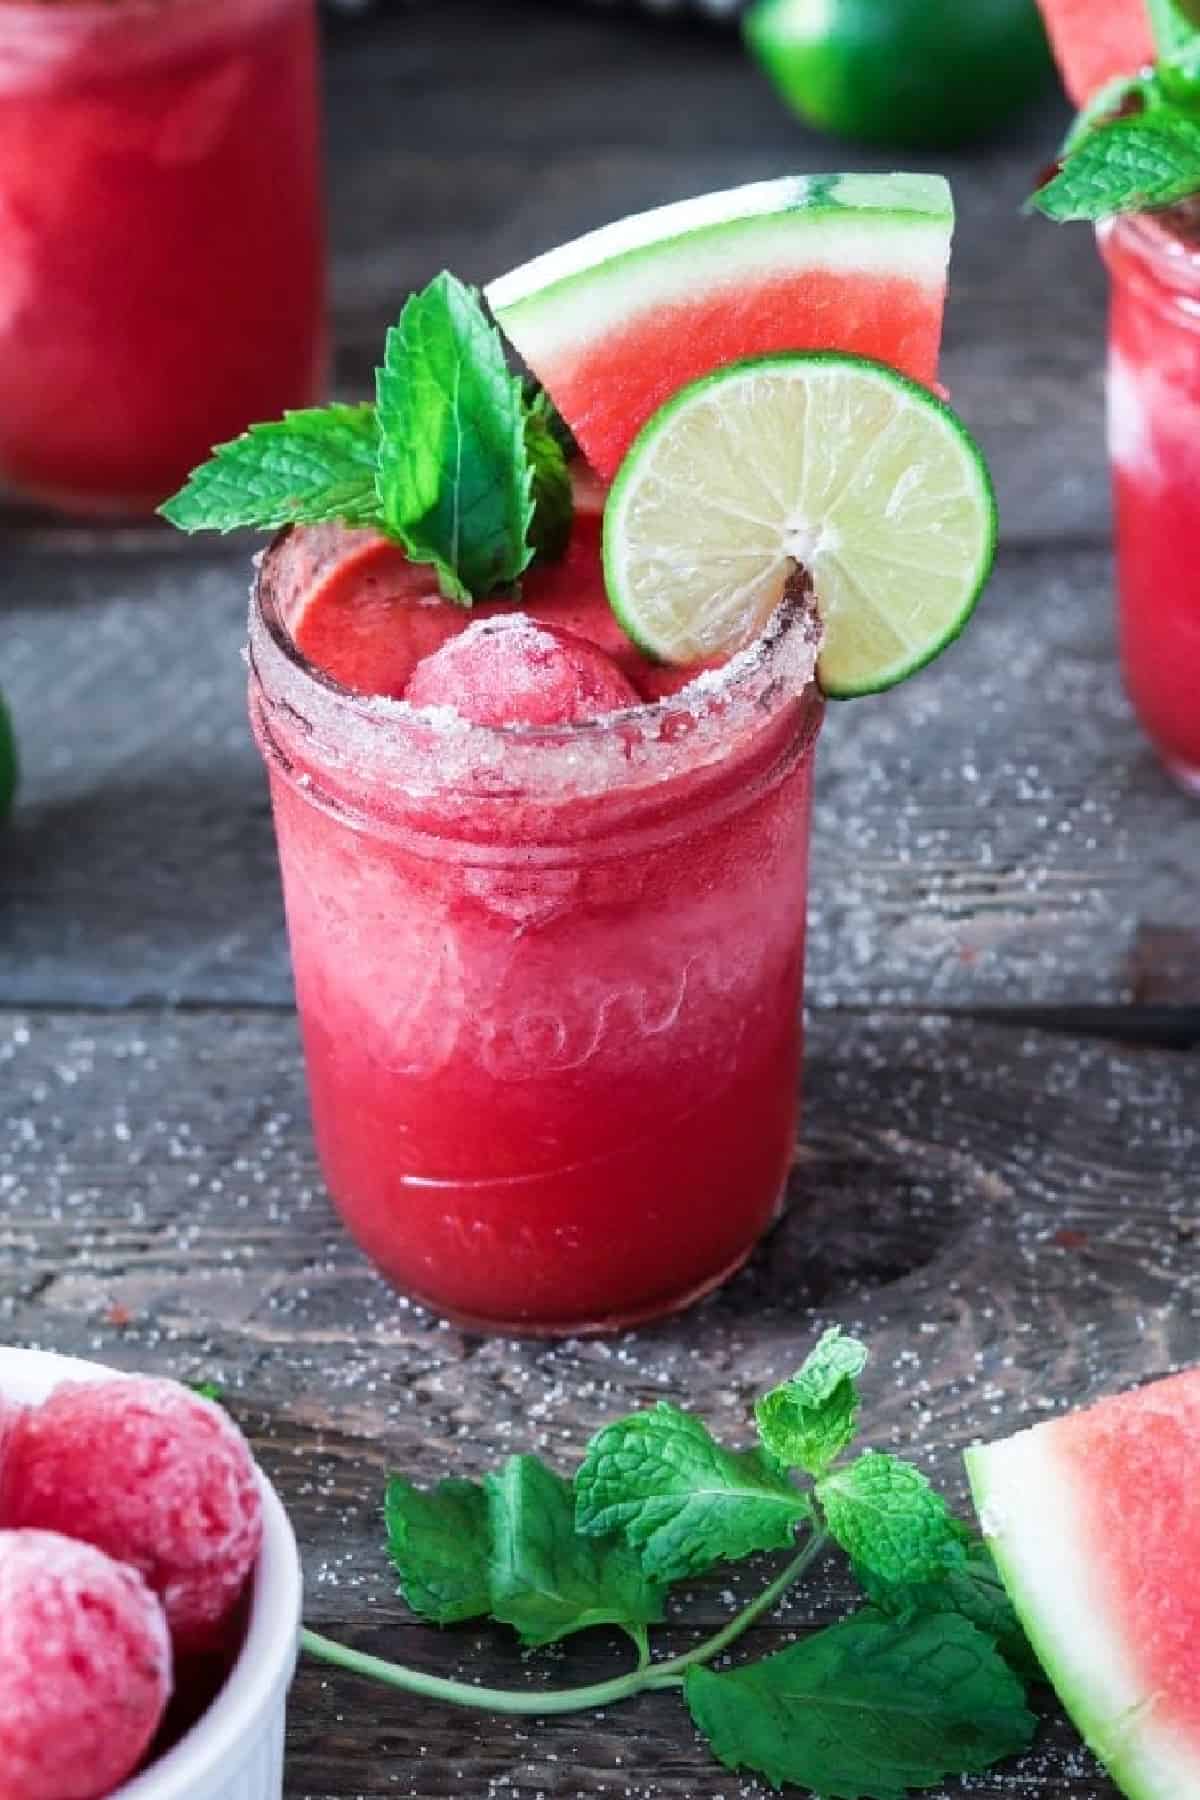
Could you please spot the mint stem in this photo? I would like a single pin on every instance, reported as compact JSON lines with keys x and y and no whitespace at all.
{"x":560,"y":1700}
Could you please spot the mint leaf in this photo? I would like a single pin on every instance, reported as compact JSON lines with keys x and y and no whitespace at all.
{"x":661,"y":1481}
{"x":303,"y":469}
{"x":553,"y":496}
{"x":440,"y":1546}
{"x":537,"y":399}
{"x":1177,"y":77}
{"x":453,"y":479}
{"x":1129,"y":165}
{"x":972,"y":1588}
{"x":1173,"y":23}
{"x":867,"y":1709}
{"x":208,"y":1390}
{"x":888,"y":1519}
{"x":808,"y":1421}
{"x":1123,"y":96}
{"x":545,"y":1579}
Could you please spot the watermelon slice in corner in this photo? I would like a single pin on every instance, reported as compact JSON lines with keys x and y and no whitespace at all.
{"x":1094,"y":41}
{"x":1094,"y":1521}
{"x":615,"y":323}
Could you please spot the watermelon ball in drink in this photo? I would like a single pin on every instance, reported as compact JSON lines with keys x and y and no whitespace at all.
{"x":1094,"y":1521}
{"x":1143,"y":117}
{"x":543,"y":820}
{"x":161,"y":253}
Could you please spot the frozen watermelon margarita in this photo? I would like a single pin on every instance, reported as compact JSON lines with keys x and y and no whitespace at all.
{"x":1133,"y":166}
{"x":540,"y":749}
{"x":161,"y":256}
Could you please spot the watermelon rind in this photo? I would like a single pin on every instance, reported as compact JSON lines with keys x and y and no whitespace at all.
{"x":1031,"y":1512}
{"x":890,"y":225}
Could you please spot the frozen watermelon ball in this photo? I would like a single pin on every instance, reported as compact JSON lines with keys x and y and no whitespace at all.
{"x":154,"y":1475}
{"x":85,"y":1668}
{"x":512,"y":670}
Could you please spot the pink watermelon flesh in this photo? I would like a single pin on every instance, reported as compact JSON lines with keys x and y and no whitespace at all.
{"x":1134,"y":1464}
{"x":1096,"y":40}
{"x":1094,"y":1521}
{"x":608,"y":387}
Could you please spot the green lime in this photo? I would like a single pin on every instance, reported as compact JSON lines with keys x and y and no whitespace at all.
{"x":8,"y":762}
{"x":831,"y":462}
{"x":937,"y":72}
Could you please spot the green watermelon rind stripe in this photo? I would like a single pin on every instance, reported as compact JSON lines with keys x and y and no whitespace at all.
{"x":1139,"y":1760}
{"x":855,"y":223}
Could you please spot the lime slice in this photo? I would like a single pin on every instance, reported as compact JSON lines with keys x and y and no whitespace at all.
{"x":831,"y":462}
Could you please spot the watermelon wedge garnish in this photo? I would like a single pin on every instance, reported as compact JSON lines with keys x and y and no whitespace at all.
{"x":1094,"y":1521}
{"x":615,"y":323}
{"x":1094,"y":41}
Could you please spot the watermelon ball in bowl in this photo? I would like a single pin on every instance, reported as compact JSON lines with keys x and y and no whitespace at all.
{"x":232,"y":1749}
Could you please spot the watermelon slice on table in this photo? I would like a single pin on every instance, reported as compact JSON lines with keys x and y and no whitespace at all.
{"x":1094,"y":1521}
{"x":615,"y":323}
{"x":1094,"y":41}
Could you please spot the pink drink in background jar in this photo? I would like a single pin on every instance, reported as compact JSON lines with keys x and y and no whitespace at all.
{"x":161,"y":239}
{"x":1154,"y":434}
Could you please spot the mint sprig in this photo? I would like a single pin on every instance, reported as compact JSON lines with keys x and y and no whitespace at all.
{"x":888,"y":1519}
{"x":440,"y":1546}
{"x":454,"y":461}
{"x":971,"y":1587}
{"x":1137,"y":164}
{"x":304,"y":469}
{"x":922,"y":1684}
{"x":1174,"y":24}
{"x":808,"y":1421}
{"x":553,"y":498}
{"x":681,"y":1500}
{"x":546,"y":1579}
{"x":1135,"y":147}
{"x":454,"y":481}
{"x":866,"y":1708}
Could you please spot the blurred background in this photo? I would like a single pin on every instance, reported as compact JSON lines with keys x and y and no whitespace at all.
{"x":471,"y":134}
{"x":964,"y":851}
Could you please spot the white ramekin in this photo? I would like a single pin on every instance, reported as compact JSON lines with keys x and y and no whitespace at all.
{"x":235,"y":1752}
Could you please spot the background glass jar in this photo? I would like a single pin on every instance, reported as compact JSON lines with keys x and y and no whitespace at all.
{"x":161,"y":238}
{"x":549,"y":980}
{"x":1154,"y":439}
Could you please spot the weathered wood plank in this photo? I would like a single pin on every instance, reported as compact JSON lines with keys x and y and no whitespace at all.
{"x":1010,"y":1217}
{"x":969,"y":849}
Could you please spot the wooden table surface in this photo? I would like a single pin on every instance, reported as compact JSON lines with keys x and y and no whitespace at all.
{"x":999,"y":1178}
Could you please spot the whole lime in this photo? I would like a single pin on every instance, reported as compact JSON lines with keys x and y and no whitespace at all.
{"x":8,"y":761}
{"x":917,"y":72}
